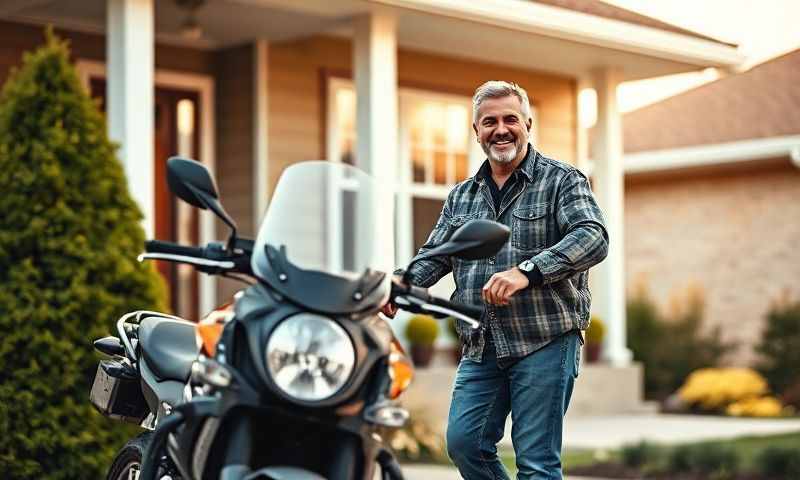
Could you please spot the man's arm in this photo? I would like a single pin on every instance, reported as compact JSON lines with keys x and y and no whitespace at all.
{"x":427,"y":272}
{"x":585,"y":239}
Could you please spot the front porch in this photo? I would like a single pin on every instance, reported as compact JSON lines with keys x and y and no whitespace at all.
{"x":278,"y":75}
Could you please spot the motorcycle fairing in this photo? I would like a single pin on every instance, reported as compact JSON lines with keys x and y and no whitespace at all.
{"x":323,"y":292}
{"x":258,"y":312}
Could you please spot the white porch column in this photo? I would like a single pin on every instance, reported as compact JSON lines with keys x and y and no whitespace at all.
{"x":375,"y":72}
{"x":129,"y":97}
{"x":609,"y":287}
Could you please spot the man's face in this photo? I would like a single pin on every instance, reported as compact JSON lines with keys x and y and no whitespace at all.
{"x":502,"y":129}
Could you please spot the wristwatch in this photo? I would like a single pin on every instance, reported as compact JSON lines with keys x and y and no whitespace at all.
{"x":526,"y":266}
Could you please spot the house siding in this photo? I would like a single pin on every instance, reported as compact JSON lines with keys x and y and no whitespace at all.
{"x":298,"y":73}
{"x":235,"y":105}
{"x":732,"y":233}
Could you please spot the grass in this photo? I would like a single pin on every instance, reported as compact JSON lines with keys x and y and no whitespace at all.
{"x":747,"y":449}
{"x":570,"y":458}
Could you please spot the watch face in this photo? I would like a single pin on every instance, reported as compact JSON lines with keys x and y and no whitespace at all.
{"x":527,"y":266}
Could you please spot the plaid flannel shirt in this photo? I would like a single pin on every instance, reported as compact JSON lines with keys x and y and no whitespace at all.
{"x":556,"y":223}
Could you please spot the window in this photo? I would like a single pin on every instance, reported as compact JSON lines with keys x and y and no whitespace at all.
{"x":437,"y":150}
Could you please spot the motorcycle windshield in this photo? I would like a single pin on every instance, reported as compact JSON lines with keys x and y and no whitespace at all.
{"x":327,"y":217}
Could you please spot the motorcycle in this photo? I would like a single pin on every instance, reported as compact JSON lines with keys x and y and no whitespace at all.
{"x":292,"y":379}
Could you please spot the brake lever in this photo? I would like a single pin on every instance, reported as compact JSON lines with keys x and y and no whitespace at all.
{"x":416,"y":305}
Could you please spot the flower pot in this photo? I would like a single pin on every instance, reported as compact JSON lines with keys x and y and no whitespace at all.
{"x":456,"y":353}
{"x":593,"y":352}
{"x":421,"y":355}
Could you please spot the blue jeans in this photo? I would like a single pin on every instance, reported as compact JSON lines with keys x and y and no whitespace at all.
{"x":536,"y":390}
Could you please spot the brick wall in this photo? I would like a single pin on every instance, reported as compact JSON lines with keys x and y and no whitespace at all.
{"x":735,"y":234}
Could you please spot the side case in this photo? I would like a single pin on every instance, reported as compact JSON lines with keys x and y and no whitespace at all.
{"x":116,"y":392}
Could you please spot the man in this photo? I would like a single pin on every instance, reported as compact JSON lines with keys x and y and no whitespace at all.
{"x":524,"y":359}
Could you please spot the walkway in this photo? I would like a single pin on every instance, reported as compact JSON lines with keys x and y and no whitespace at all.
{"x":435,"y":472}
{"x":615,"y":431}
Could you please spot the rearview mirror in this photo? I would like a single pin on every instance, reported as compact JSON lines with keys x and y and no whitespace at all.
{"x":191,"y":181}
{"x":473,"y":240}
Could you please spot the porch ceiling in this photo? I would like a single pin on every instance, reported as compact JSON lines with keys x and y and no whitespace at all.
{"x":436,"y":26}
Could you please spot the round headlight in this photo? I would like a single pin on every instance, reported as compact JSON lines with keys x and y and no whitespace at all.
{"x":310,"y":357}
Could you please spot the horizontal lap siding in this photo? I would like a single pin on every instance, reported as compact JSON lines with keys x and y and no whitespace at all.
{"x":234,"y":157}
{"x":297,"y":95}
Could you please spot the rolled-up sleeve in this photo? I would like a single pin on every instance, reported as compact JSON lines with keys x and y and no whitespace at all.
{"x":584,"y":241}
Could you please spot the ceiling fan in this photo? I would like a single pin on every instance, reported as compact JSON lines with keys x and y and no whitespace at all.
{"x":190,"y":28}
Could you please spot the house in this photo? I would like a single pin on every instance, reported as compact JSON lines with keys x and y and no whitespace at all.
{"x":714,"y":174}
{"x":251,"y":86}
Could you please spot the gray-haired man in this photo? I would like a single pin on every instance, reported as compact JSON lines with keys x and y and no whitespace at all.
{"x":524,"y":360}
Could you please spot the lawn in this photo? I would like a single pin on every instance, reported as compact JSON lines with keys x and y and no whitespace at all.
{"x":746,"y":449}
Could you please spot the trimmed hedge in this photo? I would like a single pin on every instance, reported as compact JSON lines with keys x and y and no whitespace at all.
{"x":69,"y":236}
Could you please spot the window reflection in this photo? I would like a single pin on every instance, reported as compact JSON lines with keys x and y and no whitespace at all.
{"x":438,"y":136}
{"x":346,"y":126}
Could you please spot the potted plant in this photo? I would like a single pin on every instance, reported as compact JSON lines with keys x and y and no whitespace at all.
{"x":421,"y":332}
{"x":594,"y":339}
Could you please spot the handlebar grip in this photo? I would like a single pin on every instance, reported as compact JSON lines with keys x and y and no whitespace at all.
{"x":157,"y":246}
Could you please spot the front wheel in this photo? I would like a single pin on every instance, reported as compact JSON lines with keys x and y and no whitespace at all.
{"x":128,"y":461}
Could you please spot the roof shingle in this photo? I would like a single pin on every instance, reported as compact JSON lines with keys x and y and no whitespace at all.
{"x":762,"y":102}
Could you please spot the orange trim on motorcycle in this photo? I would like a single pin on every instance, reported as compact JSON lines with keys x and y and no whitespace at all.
{"x":401,"y":370}
{"x":209,"y":329}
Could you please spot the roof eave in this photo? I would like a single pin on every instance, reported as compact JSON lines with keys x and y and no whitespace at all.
{"x":582,"y":28}
{"x":714,"y":155}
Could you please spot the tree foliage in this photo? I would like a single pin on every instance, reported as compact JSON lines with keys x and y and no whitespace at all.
{"x":69,"y":236}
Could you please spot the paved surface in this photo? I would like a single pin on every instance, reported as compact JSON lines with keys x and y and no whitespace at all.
{"x":615,"y":431}
{"x":433,"y":472}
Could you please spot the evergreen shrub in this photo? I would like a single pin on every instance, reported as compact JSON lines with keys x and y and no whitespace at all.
{"x":779,"y":350}
{"x":671,"y":347}
{"x":69,"y":237}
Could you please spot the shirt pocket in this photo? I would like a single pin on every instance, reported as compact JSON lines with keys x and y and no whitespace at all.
{"x":529,"y":227}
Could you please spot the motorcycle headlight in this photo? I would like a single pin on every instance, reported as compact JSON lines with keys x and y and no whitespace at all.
{"x":310,"y":357}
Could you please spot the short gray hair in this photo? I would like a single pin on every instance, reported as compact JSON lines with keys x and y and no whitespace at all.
{"x":500,"y":89}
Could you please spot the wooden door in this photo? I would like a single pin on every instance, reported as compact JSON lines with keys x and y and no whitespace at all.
{"x":176,"y":132}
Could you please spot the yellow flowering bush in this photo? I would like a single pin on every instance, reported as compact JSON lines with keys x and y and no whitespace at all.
{"x":714,"y":389}
{"x":756,"y":407}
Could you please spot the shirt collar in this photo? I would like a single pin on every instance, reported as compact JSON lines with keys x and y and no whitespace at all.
{"x":525,"y":167}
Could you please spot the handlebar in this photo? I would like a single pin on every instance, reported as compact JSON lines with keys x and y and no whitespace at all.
{"x":419,"y":300}
{"x":214,"y":258}
{"x":158,"y":246}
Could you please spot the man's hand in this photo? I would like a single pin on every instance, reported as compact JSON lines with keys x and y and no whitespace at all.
{"x":499,"y":289}
{"x":390,"y":309}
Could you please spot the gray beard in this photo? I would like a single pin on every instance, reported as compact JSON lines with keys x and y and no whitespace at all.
{"x":505,"y":157}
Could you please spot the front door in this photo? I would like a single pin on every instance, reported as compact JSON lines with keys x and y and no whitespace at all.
{"x":176,"y":132}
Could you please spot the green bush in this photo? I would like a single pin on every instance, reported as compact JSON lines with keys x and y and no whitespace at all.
{"x":422,"y":330}
{"x":671,"y":348}
{"x":779,"y":349}
{"x":719,"y":460}
{"x":639,"y":454}
{"x":680,"y":459}
{"x":779,"y":462}
{"x":69,"y":236}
